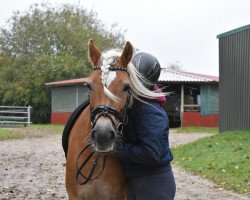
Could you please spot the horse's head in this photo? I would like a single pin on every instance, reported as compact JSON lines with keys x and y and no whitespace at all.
{"x":109,"y":96}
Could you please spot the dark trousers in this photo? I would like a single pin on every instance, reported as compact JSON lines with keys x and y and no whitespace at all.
{"x":152,"y":187}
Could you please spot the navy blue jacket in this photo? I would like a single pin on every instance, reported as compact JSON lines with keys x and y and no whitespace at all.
{"x":146,"y":149}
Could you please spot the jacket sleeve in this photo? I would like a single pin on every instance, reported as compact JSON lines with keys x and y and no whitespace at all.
{"x":151,"y":127}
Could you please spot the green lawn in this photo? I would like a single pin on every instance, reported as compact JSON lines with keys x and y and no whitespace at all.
{"x":49,"y":127}
{"x":7,"y":134}
{"x":223,"y":158}
{"x":192,"y":129}
{"x":32,"y":131}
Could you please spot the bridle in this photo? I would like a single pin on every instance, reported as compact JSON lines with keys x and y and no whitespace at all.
{"x":95,"y":114}
{"x":106,"y":110}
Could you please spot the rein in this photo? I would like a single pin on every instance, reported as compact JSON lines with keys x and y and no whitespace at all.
{"x":102,"y":110}
{"x":79,"y":169}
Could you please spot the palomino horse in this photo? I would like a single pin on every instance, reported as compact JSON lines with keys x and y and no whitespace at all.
{"x":92,"y":170}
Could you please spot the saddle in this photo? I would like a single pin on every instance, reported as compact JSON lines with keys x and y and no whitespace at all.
{"x":70,"y":123}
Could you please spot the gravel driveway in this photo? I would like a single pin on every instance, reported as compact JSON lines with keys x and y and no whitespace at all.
{"x":33,"y":168}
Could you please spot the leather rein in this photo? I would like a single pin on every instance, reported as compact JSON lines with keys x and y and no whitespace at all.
{"x":107,"y":111}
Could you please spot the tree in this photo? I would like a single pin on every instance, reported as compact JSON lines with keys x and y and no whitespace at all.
{"x":47,"y":44}
{"x":175,"y":66}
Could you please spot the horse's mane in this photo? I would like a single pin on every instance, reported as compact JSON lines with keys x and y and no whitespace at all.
{"x":139,"y":91}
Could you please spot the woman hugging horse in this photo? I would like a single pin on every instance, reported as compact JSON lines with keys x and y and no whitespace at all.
{"x":96,"y":140}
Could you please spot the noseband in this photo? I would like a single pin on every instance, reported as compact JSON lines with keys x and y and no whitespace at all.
{"x":106,"y":111}
{"x":95,"y":114}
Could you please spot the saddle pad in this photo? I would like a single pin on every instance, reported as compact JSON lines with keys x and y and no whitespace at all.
{"x":70,"y":123}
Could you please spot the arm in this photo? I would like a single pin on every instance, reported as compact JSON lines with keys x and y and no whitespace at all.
{"x":151,"y":126}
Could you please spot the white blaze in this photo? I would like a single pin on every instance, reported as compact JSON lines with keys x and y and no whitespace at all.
{"x":107,"y":76}
{"x":110,"y":78}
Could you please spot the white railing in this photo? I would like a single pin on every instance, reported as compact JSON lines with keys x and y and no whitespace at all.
{"x":15,"y":115}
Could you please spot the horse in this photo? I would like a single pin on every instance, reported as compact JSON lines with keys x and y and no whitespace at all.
{"x":93,"y":171}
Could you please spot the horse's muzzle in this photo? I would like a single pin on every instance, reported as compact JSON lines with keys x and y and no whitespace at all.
{"x":103,"y":136}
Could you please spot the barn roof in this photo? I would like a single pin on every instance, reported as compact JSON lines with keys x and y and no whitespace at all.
{"x":67,"y":82}
{"x":168,"y":75}
{"x":243,"y":28}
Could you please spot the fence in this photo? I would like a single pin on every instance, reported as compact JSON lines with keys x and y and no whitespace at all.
{"x":15,"y":115}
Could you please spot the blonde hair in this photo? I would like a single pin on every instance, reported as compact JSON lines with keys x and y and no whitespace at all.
{"x":139,"y":91}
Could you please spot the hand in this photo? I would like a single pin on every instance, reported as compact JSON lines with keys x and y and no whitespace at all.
{"x":118,"y":148}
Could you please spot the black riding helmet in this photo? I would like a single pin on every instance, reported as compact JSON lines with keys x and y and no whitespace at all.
{"x":148,"y":66}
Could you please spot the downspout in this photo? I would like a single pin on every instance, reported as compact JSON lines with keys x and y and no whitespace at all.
{"x":182,"y":103}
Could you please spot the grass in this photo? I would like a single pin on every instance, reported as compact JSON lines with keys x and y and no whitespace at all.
{"x":9,"y":134}
{"x":49,"y":127}
{"x":40,"y":130}
{"x":193,"y":129}
{"x":222,"y":158}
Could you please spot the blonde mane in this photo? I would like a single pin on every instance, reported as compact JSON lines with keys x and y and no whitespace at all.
{"x":139,"y":91}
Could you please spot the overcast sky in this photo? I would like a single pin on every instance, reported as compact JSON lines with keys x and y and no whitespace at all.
{"x":181,"y":31}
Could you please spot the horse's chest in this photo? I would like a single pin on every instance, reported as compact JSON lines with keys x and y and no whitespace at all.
{"x":99,"y":189}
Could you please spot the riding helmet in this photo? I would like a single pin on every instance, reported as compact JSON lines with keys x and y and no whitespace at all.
{"x":148,"y":66}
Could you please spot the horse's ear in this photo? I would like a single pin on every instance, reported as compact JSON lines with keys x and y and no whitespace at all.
{"x":94,"y":53}
{"x":127,"y":53}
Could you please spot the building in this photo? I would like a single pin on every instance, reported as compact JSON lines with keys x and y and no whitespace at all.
{"x":234,"y":70}
{"x":192,"y":101}
{"x":66,"y":96}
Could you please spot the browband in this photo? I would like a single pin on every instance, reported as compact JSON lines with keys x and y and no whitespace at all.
{"x":112,"y":68}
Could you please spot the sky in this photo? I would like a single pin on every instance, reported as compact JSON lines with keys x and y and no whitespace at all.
{"x":175,"y":31}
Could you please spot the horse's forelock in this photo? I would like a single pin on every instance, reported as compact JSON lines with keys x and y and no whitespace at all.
{"x":111,"y":54}
{"x":107,"y":59}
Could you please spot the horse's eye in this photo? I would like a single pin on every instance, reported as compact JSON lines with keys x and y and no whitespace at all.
{"x":126,"y":88}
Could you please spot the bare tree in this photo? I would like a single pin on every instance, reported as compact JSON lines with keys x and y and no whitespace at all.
{"x":176,"y":65}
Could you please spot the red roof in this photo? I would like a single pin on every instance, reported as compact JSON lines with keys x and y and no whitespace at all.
{"x":213,"y":78}
{"x":68,"y":82}
{"x":166,"y":75}
{"x":169,"y":75}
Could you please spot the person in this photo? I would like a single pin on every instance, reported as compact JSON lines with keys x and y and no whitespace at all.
{"x":145,"y":154}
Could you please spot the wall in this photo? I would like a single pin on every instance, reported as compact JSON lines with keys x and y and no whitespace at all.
{"x":234,"y":87}
{"x":195,"y":119}
{"x":65,"y":99}
{"x":60,"y":118}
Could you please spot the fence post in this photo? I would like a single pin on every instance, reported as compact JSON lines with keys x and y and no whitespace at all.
{"x":15,"y":115}
{"x":29,"y":108}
